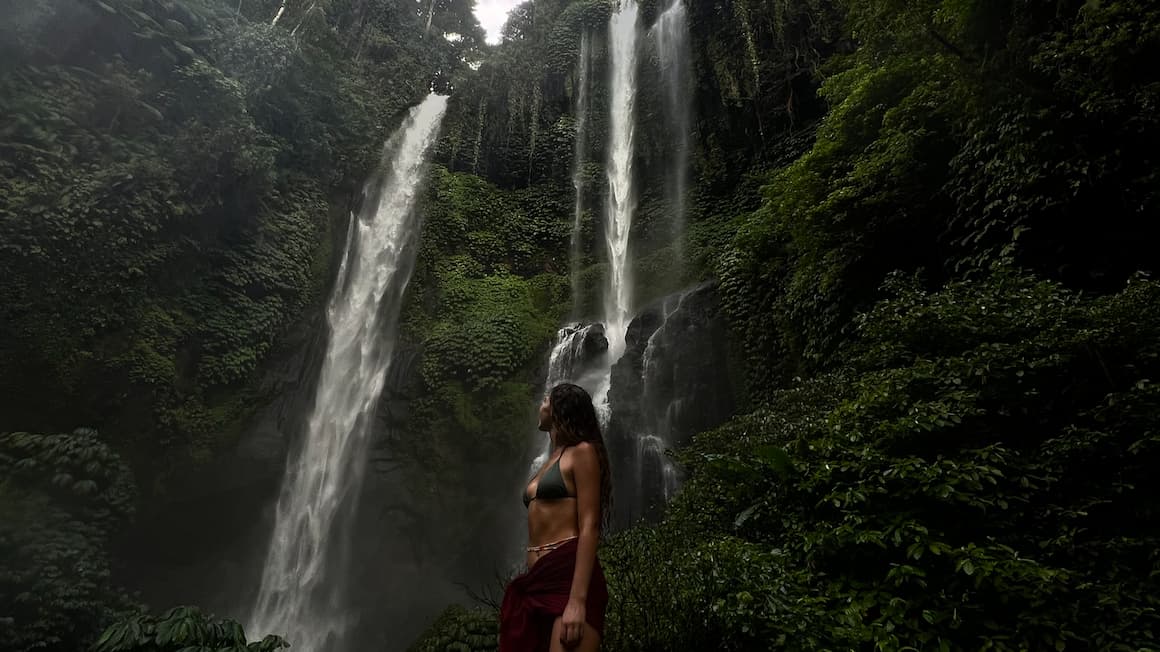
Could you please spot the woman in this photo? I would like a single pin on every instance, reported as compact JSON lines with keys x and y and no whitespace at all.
{"x":558,"y":604}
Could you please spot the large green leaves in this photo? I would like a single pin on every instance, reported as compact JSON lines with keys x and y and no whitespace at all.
{"x":62,"y":499}
{"x":182,"y":629}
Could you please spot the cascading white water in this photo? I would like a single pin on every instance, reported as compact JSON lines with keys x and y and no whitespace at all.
{"x":562,"y":362}
{"x":621,"y":203}
{"x":299,"y":596}
{"x":583,"y":72}
{"x":671,"y":37}
{"x":563,"y":366}
{"x":656,"y":468}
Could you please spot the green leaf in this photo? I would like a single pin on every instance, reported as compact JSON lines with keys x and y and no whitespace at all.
{"x":776,"y":458}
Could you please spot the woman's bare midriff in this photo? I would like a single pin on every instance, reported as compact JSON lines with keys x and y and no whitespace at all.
{"x":550,"y":521}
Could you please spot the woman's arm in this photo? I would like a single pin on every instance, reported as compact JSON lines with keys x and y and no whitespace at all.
{"x":586,"y":477}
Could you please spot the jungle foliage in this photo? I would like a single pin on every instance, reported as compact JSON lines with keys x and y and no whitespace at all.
{"x":950,"y":334}
{"x":928,"y":220}
{"x":977,"y":477}
{"x":63,"y":497}
{"x":182,"y":629}
{"x":942,"y":291}
{"x":958,"y":133}
{"x":170,"y":174}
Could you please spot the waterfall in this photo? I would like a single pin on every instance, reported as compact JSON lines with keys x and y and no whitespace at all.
{"x":583,"y":72}
{"x":621,"y":203}
{"x":671,"y":37}
{"x":300,"y":592}
{"x":577,"y":347}
{"x":657,"y":475}
{"x":576,"y":344}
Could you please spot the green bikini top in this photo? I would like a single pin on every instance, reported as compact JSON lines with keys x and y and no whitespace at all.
{"x":551,"y":486}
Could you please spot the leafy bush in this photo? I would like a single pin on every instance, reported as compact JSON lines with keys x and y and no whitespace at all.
{"x":670,"y":592}
{"x":62,"y":498}
{"x":461,"y":630}
{"x":182,"y":629}
{"x":978,"y":477}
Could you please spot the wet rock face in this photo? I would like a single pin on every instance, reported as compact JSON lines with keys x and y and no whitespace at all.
{"x":672,"y":382}
{"x":594,"y":344}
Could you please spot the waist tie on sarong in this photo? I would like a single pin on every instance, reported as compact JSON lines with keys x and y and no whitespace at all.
{"x":534,"y":600}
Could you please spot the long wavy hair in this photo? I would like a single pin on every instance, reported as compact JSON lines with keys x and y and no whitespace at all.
{"x":574,"y":419}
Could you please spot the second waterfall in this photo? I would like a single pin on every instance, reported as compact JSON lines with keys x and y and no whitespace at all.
{"x":301,"y":595}
{"x":621,"y":203}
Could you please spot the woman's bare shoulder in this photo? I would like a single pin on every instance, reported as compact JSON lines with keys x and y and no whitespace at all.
{"x":584,"y":453}
{"x":584,"y":448}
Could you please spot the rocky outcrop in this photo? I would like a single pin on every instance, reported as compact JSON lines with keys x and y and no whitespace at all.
{"x":672,"y":382}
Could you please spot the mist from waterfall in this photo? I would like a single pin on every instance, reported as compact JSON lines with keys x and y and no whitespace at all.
{"x":303,"y":580}
{"x":670,"y":35}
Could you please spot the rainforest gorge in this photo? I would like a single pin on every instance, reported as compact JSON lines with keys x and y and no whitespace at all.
{"x":876,"y":335}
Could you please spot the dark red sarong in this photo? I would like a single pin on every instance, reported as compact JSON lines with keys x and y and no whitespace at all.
{"x":533,"y":601}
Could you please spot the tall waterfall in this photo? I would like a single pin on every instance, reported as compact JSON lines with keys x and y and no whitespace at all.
{"x":564,"y":362}
{"x":583,"y":72}
{"x":621,"y":203}
{"x":671,"y":37}
{"x":300,"y":593}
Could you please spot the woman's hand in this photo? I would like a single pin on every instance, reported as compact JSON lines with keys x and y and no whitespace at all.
{"x":572,"y":623}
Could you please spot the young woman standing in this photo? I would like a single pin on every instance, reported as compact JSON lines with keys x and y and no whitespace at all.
{"x":559,"y":602}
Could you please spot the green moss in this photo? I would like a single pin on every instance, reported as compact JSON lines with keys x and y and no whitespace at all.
{"x":486,"y":330}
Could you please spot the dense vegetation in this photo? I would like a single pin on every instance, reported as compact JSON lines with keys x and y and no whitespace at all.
{"x":949,"y":351}
{"x":171,"y":177}
{"x":949,"y":354}
{"x":927,"y":220}
{"x":169,"y":171}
